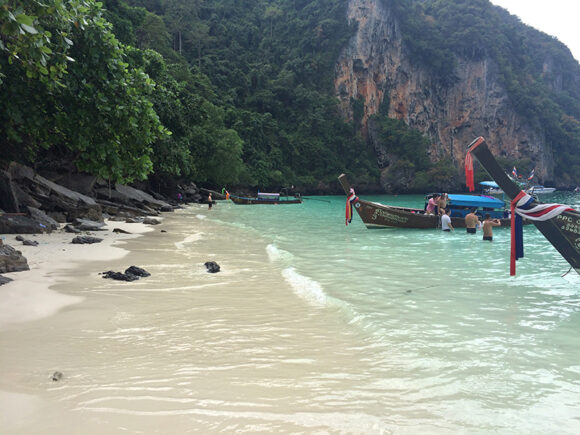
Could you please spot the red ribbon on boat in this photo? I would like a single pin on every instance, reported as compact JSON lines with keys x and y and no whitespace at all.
{"x":352,"y":198}
{"x":469,"y":172}
{"x":521,"y":206}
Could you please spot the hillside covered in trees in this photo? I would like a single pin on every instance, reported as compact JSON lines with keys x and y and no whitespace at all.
{"x":241,"y":92}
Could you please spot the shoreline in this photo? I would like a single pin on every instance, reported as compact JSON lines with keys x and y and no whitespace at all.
{"x":30,"y":296}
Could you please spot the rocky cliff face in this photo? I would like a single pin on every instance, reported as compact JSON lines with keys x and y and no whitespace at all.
{"x":374,"y":67}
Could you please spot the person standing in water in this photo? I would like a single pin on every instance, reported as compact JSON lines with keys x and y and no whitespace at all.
{"x":472,"y":222}
{"x":209,"y":201}
{"x":446,"y":220}
{"x":488,"y":225}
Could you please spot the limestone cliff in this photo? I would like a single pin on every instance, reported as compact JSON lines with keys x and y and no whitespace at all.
{"x":374,"y":66}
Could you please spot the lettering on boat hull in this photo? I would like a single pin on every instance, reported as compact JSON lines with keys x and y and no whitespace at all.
{"x":379,"y":213}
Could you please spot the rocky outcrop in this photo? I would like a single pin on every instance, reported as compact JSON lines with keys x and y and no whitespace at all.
{"x":31,"y":203}
{"x":130,"y":201}
{"x":20,"y":224}
{"x":374,"y":67}
{"x":33,"y":190}
{"x":11,"y":260}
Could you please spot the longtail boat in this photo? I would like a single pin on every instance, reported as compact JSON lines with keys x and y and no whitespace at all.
{"x":560,"y":224}
{"x":266,"y":198}
{"x":377,"y":215}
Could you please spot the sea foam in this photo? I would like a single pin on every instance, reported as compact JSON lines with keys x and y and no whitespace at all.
{"x":189,"y":239}
{"x":276,"y":254}
{"x":306,"y":288}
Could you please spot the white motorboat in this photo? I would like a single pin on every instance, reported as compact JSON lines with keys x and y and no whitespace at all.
{"x":539,"y":189}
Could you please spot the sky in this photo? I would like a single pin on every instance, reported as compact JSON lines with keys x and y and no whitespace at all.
{"x":557,"y":18}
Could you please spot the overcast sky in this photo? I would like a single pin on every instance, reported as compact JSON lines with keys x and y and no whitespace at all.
{"x":559,"y":18}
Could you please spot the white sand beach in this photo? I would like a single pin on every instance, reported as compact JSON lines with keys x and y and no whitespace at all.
{"x":29,"y":296}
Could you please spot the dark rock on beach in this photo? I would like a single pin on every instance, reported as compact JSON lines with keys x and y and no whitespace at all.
{"x":132,"y":273}
{"x":20,"y":223}
{"x":56,"y":376}
{"x":42,"y":218}
{"x":151,"y":221}
{"x":120,"y":231}
{"x":12,"y":260}
{"x":86,"y":240}
{"x":88,"y":225}
{"x":4,"y":280}
{"x":137,"y":271}
{"x":212,"y":266}
{"x":30,"y":242}
{"x":71,"y":229}
{"x":119,"y":276}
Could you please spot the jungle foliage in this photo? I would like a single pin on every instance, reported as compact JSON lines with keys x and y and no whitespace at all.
{"x":241,"y":91}
{"x":222,"y":92}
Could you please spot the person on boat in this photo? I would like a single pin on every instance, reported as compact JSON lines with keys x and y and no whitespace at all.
{"x":472,"y":222}
{"x":432,"y":204}
{"x":446,"y":220}
{"x":442,"y":203}
{"x":488,"y":225}
{"x":209,"y":201}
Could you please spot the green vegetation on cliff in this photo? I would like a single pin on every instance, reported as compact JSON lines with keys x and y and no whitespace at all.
{"x":539,"y":73}
{"x":242,"y":91}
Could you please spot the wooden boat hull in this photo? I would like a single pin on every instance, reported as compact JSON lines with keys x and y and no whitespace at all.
{"x":562,"y":231}
{"x":254,"y":201}
{"x":376,"y":215}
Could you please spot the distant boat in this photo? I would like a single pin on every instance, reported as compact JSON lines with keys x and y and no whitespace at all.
{"x":491,"y":188}
{"x":560,"y":224}
{"x":540,"y":189}
{"x":266,"y":198}
{"x":376,"y":215}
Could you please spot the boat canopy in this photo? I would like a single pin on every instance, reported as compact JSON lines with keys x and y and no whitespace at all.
{"x":268,"y":195}
{"x":489,"y":184}
{"x":475,"y":201}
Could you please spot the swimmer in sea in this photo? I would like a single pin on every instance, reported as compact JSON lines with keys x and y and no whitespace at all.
{"x":488,"y":225}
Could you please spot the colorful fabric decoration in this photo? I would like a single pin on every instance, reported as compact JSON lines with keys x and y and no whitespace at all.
{"x":515,"y":172}
{"x":531,"y":175}
{"x":522,"y":206}
{"x":469,"y":172}
{"x":350,"y":200}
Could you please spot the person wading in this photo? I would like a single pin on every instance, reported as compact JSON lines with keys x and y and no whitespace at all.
{"x":446,"y":220}
{"x":471,"y":222}
{"x":488,"y":225}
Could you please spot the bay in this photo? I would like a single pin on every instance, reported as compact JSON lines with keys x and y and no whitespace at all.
{"x":311,"y":326}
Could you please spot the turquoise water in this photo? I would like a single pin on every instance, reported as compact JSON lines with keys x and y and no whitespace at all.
{"x":446,"y":328}
{"x":310,"y":327}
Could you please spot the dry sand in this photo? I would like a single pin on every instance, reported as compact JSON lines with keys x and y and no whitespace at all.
{"x":29,"y":297}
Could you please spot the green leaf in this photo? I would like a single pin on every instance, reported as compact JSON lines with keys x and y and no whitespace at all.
{"x":29,"y":29}
{"x":25,"y":19}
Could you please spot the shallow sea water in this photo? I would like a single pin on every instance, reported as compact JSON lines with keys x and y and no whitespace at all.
{"x":310,"y":327}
